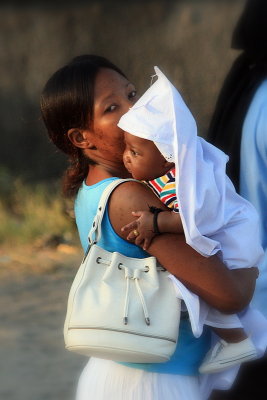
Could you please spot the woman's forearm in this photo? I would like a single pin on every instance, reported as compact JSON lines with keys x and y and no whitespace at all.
{"x":228,"y":291}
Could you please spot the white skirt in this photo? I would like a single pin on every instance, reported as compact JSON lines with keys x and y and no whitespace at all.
{"x":107,"y":380}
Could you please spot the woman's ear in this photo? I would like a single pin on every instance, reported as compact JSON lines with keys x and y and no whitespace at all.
{"x":80,"y":138}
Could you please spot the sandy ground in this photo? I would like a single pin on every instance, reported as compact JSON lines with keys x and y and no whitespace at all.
{"x":34,"y":286}
{"x":34,"y":365}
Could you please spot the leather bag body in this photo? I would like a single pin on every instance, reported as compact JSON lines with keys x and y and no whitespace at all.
{"x":121,"y":308}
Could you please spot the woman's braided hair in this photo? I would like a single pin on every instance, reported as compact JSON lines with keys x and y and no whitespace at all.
{"x":67,"y":102}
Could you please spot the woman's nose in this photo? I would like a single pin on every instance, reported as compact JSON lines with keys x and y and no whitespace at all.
{"x":126,"y":106}
{"x":129,"y":102}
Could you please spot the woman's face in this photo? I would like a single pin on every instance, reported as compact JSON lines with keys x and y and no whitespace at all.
{"x":113,"y":97}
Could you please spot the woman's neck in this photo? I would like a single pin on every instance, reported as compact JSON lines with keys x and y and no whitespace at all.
{"x":98,"y":173}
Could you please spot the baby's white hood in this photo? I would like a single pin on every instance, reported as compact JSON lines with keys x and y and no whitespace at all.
{"x":155,"y":116}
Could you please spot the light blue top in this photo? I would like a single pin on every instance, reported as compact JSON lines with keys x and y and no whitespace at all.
{"x":253,"y":177}
{"x":189,"y":351}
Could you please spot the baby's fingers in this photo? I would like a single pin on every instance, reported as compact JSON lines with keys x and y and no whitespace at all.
{"x":139,"y":240}
{"x":129,"y":227}
{"x":132,"y":235}
{"x":137,"y":213}
{"x":146,"y":244}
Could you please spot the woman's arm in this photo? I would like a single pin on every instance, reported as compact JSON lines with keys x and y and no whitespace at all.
{"x":228,"y":291}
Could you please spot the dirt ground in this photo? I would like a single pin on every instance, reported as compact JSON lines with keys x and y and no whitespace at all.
{"x":34,"y":365}
{"x":34,"y":285}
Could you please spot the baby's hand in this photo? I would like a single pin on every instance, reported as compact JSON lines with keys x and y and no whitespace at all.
{"x":141,"y":229}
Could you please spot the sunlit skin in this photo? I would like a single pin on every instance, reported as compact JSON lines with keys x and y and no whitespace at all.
{"x":113,"y":97}
{"x":103,"y":142}
{"x":145,"y":162}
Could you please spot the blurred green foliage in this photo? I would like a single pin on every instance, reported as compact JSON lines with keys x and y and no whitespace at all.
{"x":33,"y":213}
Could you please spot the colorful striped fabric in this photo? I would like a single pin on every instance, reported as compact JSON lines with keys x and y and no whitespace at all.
{"x":164,"y":188}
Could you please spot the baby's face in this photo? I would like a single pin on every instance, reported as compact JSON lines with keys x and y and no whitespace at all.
{"x":143,"y":159}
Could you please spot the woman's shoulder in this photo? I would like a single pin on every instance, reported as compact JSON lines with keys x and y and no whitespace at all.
{"x":130,"y":186}
{"x":128,"y":197}
{"x":133,"y":193}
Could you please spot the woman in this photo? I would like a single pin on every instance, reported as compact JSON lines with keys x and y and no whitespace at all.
{"x":81,"y":106}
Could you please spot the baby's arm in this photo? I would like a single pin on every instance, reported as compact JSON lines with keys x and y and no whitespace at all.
{"x":142,"y":230}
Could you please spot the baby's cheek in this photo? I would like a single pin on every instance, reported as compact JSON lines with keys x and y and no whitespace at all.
{"x":128,"y":167}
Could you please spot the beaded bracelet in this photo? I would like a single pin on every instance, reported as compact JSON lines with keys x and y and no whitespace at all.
{"x":155,"y":211}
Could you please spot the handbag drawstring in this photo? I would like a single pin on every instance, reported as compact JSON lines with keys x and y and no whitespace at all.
{"x":136,"y":278}
{"x":126,"y":301}
{"x":135,"y":275}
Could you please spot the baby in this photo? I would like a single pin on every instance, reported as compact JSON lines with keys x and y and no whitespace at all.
{"x":156,"y":147}
{"x":145,"y":163}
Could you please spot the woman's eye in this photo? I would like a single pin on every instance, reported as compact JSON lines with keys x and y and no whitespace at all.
{"x":111,"y":108}
{"x":132,"y":94}
{"x":134,"y":153}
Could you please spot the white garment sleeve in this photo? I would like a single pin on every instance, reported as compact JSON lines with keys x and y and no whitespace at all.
{"x":215,"y":218}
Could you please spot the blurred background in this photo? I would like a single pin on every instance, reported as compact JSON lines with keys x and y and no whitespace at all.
{"x":189,"y":40}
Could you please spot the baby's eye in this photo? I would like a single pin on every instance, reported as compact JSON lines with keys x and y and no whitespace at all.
{"x":134,"y":153}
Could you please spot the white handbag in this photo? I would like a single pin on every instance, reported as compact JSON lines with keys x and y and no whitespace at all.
{"x":121,"y":308}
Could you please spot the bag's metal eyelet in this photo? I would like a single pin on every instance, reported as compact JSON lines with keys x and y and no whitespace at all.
{"x":120,"y":266}
{"x":161,"y":268}
{"x":98,"y":260}
{"x":147,"y":268}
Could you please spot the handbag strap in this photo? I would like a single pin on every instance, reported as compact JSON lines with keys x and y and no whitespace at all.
{"x":95,"y":231}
